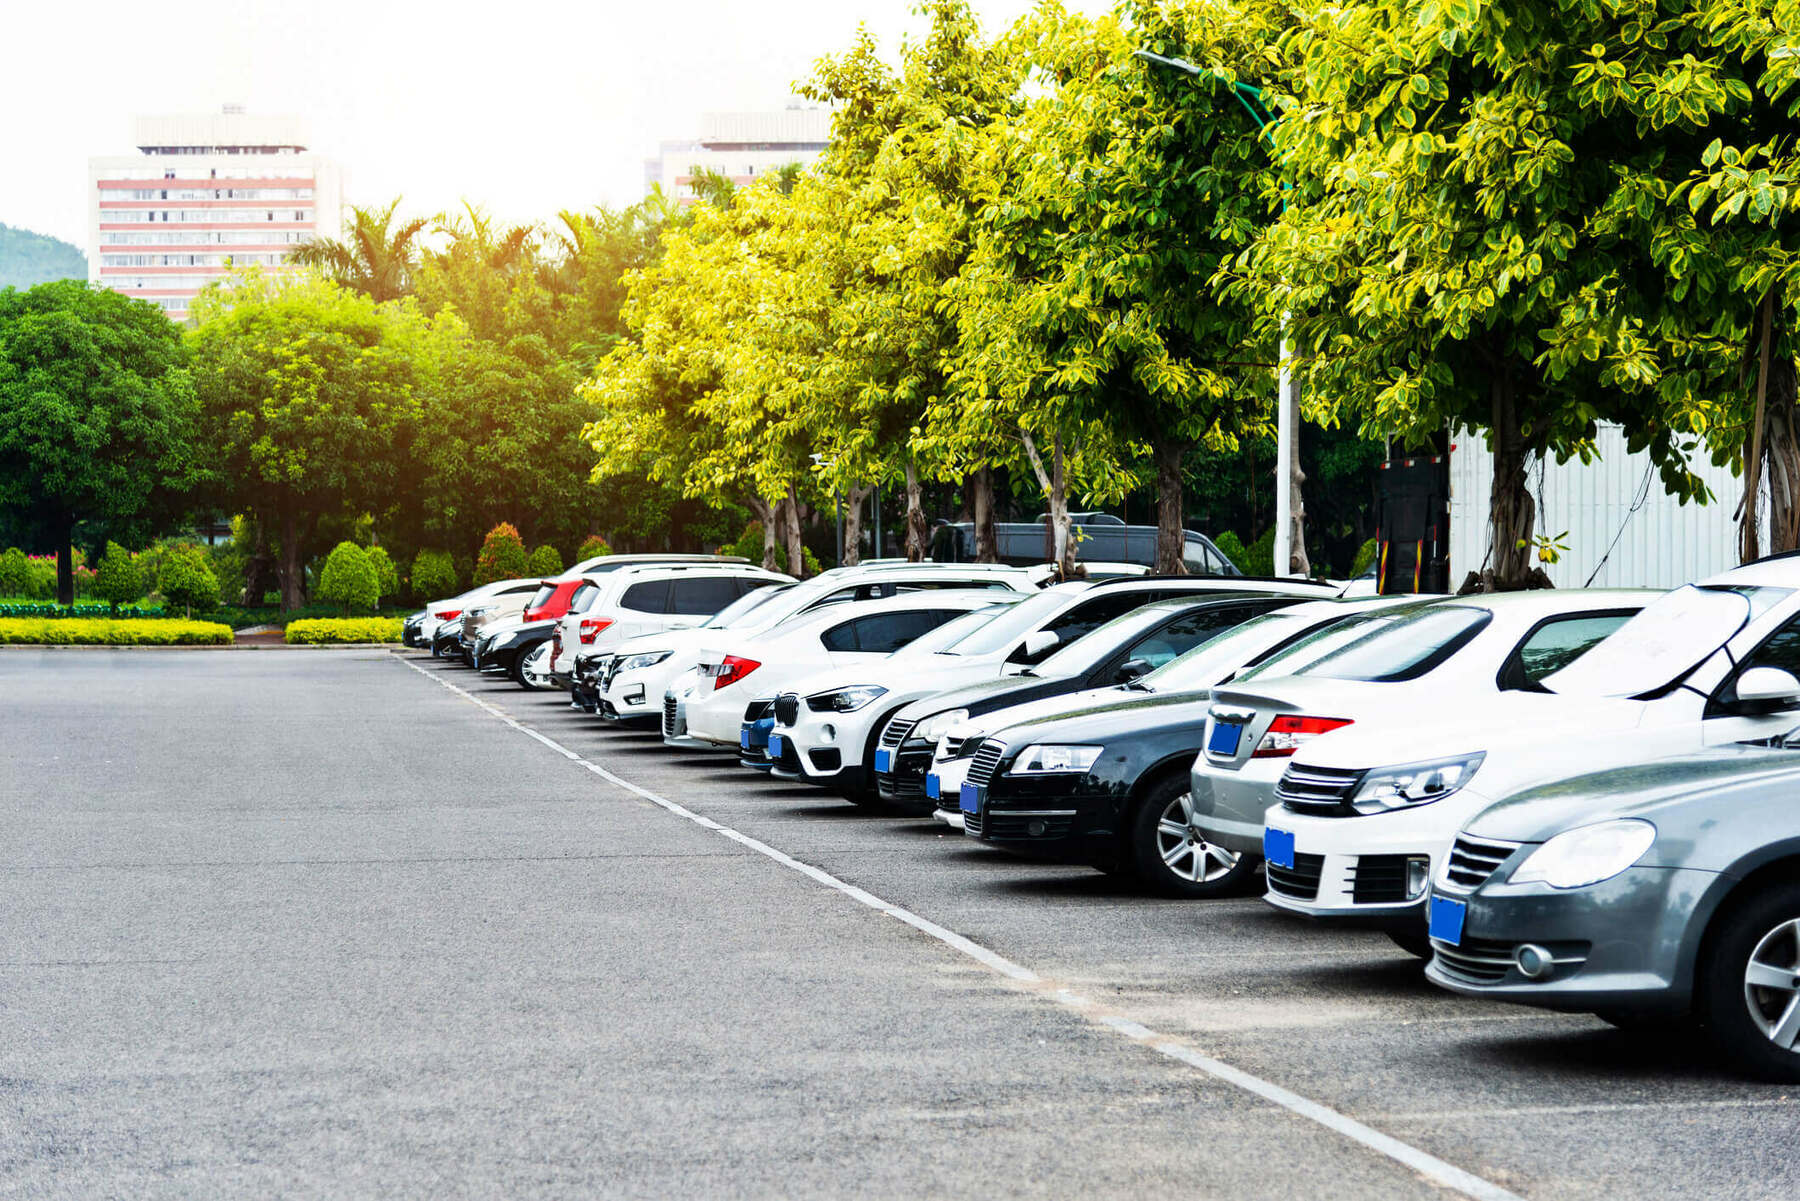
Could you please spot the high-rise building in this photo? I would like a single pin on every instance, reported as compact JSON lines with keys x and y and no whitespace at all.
{"x":740,"y":146}
{"x":202,"y":195}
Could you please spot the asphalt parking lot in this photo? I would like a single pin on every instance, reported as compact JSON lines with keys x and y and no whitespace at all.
{"x":306,"y":923}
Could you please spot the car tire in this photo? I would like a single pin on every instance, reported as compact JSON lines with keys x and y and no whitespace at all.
{"x":1167,"y":854}
{"x":517,"y":670}
{"x":1415,"y":942}
{"x":1756,"y":1024}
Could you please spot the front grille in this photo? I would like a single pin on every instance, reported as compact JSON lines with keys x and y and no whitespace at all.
{"x":612,"y":669}
{"x":1011,"y":825}
{"x":896,"y":732}
{"x":971,"y":822}
{"x":787,"y":708}
{"x":900,"y":788}
{"x":1474,"y":861}
{"x":669,"y":704}
{"x":757,"y":710}
{"x":1301,"y":882}
{"x":987,"y":758}
{"x":1379,"y":879}
{"x":1324,"y":791}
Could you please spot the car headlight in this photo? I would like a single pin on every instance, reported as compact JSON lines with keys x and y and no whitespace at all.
{"x":845,"y":700}
{"x":939,"y":724}
{"x":647,"y":659}
{"x":1587,"y":855}
{"x":1388,"y":788}
{"x":1052,"y":758}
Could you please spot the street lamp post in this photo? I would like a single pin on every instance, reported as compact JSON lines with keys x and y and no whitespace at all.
{"x":1287,"y":399}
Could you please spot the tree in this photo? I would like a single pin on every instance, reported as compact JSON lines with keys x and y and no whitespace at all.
{"x":15,"y":573}
{"x":387,"y":576}
{"x":119,"y":582}
{"x":433,"y":575}
{"x":502,"y":556}
{"x":186,"y":579}
{"x":349,"y":579}
{"x":592,"y":547}
{"x":313,"y":394}
{"x":97,"y":414}
{"x":374,"y":257}
{"x":545,"y":561}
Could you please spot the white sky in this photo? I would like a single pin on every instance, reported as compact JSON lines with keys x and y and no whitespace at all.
{"x":526,"y":107}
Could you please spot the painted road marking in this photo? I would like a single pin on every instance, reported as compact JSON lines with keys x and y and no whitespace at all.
{"x":1425,"y":1164}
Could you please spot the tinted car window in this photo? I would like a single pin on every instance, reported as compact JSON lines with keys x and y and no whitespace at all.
{"x":1384,"y":647}
{"x":884,"y":633}
{"x":704,"y":595}
{"x":1555,"y":644}
{"x":1089,"y":616}
{"x":541,"y":597}
{"x":651,"y":596}
{"x":1185,"y":633}
{"x":516,"y":589}
{"x":1781,"y":649}
{"x":583,"y":598}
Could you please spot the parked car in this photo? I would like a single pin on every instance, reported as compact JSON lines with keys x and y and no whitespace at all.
{"x":1396,"y":668}
{"x":644,"y":667}
{"x":1648,"y":894}
{"x":1092,"y":777}
{"x":1705,"y":665}
{"x":1122,"y":650}
{"x":421,"y":629}
{"x":836,"y":716}
{"x":1100,"y":537}
{"x":697,"y":705}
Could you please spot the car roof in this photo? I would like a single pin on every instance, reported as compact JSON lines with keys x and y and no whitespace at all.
{"x":1778,"y":571}
{"x":1547,"y":602}
{"x":924,"y":598}
{"x":672,"y":571}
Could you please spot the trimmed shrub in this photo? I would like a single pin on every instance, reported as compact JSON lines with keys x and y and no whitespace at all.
{"x":186,"y":579}
{"x":1259,"y":557}
{"x":118,"y":582}
{"x":592,"y":548}
{"x":315,"y":631}
{"x":1365,"y":555}
{"x":545,"y":561}
{"x":433,"y":575}
{"x":387,"y":576}
{"x":502,"y":556}
{"x":106,"y":631}
{"x":349,"y":579}
{"x":16,"y":575}
{"x":1232,"y":547}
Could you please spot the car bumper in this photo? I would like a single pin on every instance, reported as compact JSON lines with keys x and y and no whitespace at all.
{"x":1229,"y":805}
{"x":1618,"y":944}
{"x":1054,"y":819}
{"x":631,"y":695}
{"x":904,"y":781}
{"x":947,"y":801}
{"x":1370,"y":870}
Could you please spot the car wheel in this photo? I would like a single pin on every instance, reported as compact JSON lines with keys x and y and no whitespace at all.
{"x":1413,"y":943}
{"x":1172,"y":857}
{"x":522,"y":674}
{"x":1749,"y":988}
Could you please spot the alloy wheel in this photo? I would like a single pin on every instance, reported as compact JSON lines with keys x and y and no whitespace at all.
{"x":1184,"y":849}
{"x":532,"y":667}
{"x":1772,"y":985}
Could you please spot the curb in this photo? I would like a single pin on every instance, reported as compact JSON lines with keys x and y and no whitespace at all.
{"x":242,"y":646}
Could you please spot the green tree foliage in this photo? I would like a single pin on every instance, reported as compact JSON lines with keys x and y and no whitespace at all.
{"x":97,"y":413}
{"x":119,"y":582}
{"x":15,"y":574}
{"x":28,"y":258}
{"x":187,"y":580}
{"x":1259,"y":556}
{"x":312,"y":392}
{"x":592,"y":547}
{"x":502,"y":556}
{"x":349,"y":579}
{"x":375,"y":256}
{"x":387,"y":576}
{"x":544,"y":561}
{"x":433,"y":575}
{"x":1232,"y":547}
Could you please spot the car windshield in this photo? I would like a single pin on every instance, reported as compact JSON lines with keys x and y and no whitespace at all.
{"x":958,"y":628}
{"x":1011,"y":626}
{"x":1666,"y":640}
{"x":744,"y":604}
{"x":1384,"y":646}
{"x":1081,"y":654}
{"x":1212,"y":661}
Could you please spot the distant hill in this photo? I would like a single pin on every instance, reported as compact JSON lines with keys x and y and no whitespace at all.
{"x":27,"y":258}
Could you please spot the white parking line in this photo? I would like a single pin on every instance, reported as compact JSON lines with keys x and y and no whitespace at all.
{"x":1427,"y":1165}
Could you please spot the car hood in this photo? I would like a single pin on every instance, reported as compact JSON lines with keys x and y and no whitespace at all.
{"x":1101,"y":715}
{"x":691,"y":641}
{"x":987,"y":696}
{"x":1528,"y":722}
{"x":900,"y":676}
{"x":1642,"y":789}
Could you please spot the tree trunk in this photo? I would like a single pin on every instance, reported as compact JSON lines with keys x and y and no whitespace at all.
{"x":259,"y":569}
{"x":1170,"y":526}
{"x":1781,"y":463}
{"x":65,"y":562}
{"x":796,"y":553}
{"x":1298,"y":565}
{"x":1750,"y":533}
{"x":292,"y":568}
{"x":853,"y":503}
{"x":918,"y":533}
{"x":1055,"y":483}
{"x":1511,"y":510}
{"x":767,"y":514}
{"x":981,"y":491}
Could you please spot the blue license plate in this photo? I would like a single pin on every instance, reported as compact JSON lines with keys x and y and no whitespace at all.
{"x":776,"y":746}
{"x":934,"y":787}
{"x":743,"y":740}
{"x":884,"y":759}
{"x":1447,"y":919}
{"x":1278,"y":847}
{"x":971,"y":803}
{"x":1224,"y":738}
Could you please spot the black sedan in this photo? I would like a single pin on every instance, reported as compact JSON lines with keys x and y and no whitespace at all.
{"x":1118,"y":652}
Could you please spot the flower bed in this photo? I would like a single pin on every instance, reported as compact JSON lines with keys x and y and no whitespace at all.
{"x":312,"y":631}
{"x":105,"y":631}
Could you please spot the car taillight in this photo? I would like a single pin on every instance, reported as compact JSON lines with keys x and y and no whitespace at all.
{"x":1288,"y":733}
{"x":732,"y":670}
{"x":449,"y":615}
{"x":591,"y":629}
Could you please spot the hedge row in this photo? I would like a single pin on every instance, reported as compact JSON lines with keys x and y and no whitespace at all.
{"x":52,"y":609}
{"x":315,"y":630}
{"x":105,"y":631}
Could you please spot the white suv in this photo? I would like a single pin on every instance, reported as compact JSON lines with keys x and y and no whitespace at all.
{"x":609,"y":609}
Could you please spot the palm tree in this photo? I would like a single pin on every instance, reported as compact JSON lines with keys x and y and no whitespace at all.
{"x":375,"y":257}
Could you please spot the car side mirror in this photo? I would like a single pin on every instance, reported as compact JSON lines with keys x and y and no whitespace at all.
{"x":1131,"y":669}
{"x":1767,"y":688}
{"x":1037,"y":642}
